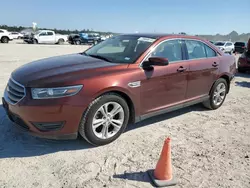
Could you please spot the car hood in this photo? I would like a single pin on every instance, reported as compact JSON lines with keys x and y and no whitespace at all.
{"x":58,"y":68}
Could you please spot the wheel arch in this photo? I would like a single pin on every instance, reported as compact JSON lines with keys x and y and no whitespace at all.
{"x":227,"y":78}
{"x":5,"y":36}
{"x":123,"y":94}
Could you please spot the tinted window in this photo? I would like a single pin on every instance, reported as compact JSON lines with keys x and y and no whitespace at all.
{"x":195,"y":49}
{"x":43,"y":34}
{"x":239,"y":44}
{"x":220,"y":43}
{"x":50,"y":33}
{"x":170,"y":49}
{"x":1,"y":31}
{"x":229,"y":44}
{"x":209,"y":51}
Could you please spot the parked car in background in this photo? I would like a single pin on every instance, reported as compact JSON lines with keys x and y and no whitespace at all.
{"x":45,"y":37}
{"x":86,"y":38}
{"x":124,"y":79}
{"x":72,"y":38}
{"x":244,"y":60}
{"x":5,"y":36}
{"x":225,"y":46}
{"x":240,"y":47}
{"x":16,"y":35}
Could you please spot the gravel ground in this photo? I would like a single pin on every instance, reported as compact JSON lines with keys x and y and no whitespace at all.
{"x":209,"y":148}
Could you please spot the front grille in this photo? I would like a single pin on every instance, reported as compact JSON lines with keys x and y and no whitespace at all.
{"x":15,"y":91}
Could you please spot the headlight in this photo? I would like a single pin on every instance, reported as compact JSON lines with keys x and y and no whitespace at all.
{"x":58,"y":92}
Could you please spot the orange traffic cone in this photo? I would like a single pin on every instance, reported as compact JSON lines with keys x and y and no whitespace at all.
{"x":162,"y":175}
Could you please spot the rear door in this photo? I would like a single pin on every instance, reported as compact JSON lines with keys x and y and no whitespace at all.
{"x":51,"y":38}
{"x":203,"y":68}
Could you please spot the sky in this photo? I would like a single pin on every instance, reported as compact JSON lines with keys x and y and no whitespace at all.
{"x":128,"y":16}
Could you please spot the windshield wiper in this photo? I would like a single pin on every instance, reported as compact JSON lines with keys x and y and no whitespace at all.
{"x":98,"y":57}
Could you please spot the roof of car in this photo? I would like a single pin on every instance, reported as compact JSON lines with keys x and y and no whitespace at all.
{"x":153,"y":35}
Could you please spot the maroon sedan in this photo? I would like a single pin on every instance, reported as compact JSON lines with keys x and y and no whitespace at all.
{"x":124,"y":79}
{"x":244,"y":60}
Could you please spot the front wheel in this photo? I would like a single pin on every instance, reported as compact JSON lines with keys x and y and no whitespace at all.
{"x":217,"y":95}
{"x":77,"y":42}
{"x":35,"y":41}
{"x":104,"y":120}
{"x":5,"y":40}
{"x":60,"y":41}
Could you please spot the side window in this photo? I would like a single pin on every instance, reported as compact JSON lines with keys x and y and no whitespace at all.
{"x":43,"y":34}
{"x":50,"y":33}
{"x":228,"y":44}
{"x":210,"y":51}
{"x":170,"y":49}
{"x":1,"y":31}
{"x":196,"y":49}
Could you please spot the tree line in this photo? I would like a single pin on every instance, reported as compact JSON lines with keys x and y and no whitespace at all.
{"x":60,"y":31}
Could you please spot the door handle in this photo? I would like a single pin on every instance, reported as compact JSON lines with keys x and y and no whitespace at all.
{"x":181,"y":69}
{"x":215,"y":64}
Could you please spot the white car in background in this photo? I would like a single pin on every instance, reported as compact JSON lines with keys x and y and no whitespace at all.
{"x":5,"y":36}
{"x":45,"y":37}
{"x":225,"y":46}
{"x":16,"y":35}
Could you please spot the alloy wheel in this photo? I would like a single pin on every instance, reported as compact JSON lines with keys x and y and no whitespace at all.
{"x":219,"y":94}
{"x":108,"y":120}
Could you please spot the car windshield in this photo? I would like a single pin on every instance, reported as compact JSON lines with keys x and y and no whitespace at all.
{"x":121,"y":48}
{"x":37,"y":32}
{"x":219,"y":43}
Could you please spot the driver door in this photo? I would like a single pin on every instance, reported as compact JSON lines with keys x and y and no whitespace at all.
{"x":165,"y":86}
{"x":42,"y":37}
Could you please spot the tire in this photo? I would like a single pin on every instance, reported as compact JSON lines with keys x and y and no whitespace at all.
{"x":5,"y":40}
{"x":77,"y":42}
{"x":60,"y":41}
{"x":35,"y":41}
{"x":86,"y":129}
{"x":210,"y":103}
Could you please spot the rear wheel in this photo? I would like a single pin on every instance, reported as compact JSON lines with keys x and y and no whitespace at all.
{"x":217,"y":95}
{"x":4,"y":39}
{"x":104,"y":120}
{"x":60,"y":41}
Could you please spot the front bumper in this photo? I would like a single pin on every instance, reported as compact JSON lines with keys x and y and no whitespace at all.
{"x":34,"y":116}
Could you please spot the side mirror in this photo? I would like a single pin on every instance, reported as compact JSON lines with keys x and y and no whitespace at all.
{"x":155,"y":61}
